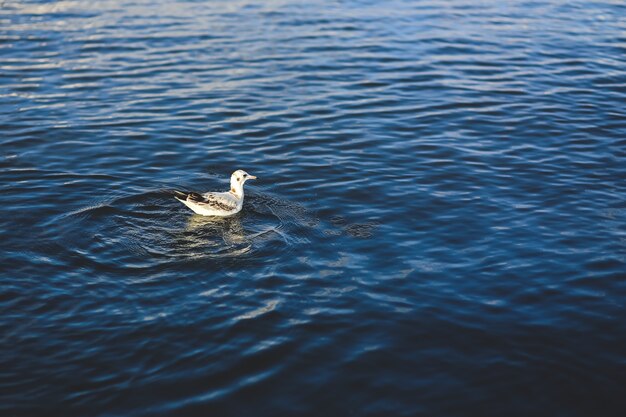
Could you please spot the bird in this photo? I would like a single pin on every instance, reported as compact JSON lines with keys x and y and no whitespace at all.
{"x":216,"y":203}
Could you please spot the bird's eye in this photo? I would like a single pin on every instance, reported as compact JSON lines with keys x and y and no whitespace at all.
{"x":245,"y":175}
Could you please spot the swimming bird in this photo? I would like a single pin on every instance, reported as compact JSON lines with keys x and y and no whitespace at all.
{"x":218,"y":204}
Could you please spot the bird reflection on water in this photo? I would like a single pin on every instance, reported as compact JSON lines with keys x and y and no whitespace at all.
{"x":213,"y":237}
{"x":208,"y":236}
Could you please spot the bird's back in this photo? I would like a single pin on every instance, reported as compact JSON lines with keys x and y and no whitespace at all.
{"x":212,"y":203}
{"x":226,"y":201}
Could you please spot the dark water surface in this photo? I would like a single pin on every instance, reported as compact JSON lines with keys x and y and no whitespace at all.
{"x":438,"y":228}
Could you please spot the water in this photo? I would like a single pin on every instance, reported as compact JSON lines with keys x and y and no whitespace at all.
{"x":438,"y":228}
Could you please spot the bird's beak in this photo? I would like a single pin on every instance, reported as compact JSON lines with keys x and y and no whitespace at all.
{"x":251,"y":177}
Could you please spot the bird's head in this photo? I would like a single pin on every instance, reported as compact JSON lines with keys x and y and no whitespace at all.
{"x":238,"y":178}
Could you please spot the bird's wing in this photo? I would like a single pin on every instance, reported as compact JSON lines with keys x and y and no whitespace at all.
{"x":215,"y":201}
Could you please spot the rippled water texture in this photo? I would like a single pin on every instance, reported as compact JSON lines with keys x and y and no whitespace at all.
{"x":438,"y":228}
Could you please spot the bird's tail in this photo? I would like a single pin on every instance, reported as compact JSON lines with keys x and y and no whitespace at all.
{"x":179,"y":195}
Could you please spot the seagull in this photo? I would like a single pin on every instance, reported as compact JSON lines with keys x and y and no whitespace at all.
{"x":218,"y":204}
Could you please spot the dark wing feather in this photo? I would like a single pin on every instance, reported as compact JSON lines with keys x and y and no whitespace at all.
{"x":196,"y":198}
{"x":180,"y":194}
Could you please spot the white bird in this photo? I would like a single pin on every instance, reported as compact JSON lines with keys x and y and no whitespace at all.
{"x":218,"y":204}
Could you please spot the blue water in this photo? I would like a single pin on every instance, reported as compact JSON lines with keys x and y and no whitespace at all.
{"x":439,"y":227}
